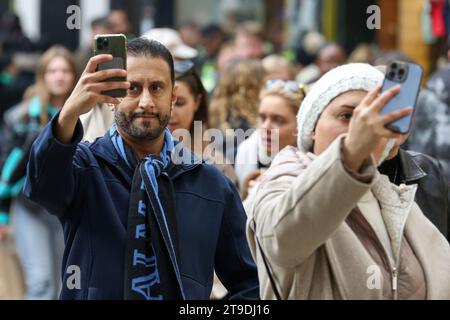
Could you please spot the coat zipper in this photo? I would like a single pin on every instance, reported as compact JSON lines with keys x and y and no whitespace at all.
{"x":395,"y":283}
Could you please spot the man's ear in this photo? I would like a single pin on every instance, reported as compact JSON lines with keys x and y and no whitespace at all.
{"x":174,"y":94}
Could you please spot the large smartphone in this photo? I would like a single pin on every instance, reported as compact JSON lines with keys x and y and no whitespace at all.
{"x":115,"y":45}
{"x":409,"y":76}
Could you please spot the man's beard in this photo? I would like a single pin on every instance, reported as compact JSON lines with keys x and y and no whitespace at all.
{"x":125,"y":123}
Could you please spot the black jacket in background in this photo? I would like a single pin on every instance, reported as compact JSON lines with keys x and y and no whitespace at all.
{"x":432,"y":194}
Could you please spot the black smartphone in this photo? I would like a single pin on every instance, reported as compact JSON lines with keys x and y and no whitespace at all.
{"x":409,"y":76}
{"x":115,"y":45}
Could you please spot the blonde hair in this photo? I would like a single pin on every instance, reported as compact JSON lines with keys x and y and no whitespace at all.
{"x":39,"y":89}
{"x":237,"y":94}
{"x":275,"y":62}
{"x":251,"y":28}
{"x":293,"y":99}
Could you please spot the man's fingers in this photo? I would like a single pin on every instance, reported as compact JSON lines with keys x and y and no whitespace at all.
{"x":105,"y":74}
{"x":385,"y":97}
{"x":91,"y":66}
{"x":395,"y":115}
{"x":109,"y":85}
{"x":101,"y":98}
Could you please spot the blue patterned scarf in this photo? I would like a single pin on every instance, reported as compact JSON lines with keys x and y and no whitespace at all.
{"x":151,"y":254}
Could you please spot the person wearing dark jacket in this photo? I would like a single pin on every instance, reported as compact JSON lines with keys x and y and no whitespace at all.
{"x":432,"y":195}
{"x":143,"y":217}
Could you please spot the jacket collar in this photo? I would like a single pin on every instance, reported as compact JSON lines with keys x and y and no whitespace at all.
{"x":183,"y":160}
{"x":410,"y":167}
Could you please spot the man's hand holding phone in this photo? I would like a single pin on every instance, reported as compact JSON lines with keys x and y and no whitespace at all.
{"x":88,"y":93}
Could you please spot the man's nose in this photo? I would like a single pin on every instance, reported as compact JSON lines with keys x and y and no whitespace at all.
{"x":146,"y":101}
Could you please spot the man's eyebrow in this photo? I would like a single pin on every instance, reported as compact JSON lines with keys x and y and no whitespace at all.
{"x":134,"y":83}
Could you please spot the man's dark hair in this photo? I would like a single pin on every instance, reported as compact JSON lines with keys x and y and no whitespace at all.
{"x":151,"y":49}
{"x":212,"y":30}
{"x":101,"y":22}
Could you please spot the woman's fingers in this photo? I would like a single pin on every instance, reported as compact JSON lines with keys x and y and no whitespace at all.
{"x":371,"y":96}
{"x":395,"y":115}
{"x":384,"y":98}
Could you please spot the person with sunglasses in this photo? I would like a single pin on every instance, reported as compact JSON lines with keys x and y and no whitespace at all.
{"x":277,"y":128}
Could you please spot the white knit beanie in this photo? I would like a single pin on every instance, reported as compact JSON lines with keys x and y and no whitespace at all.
{"x":353,"y":76}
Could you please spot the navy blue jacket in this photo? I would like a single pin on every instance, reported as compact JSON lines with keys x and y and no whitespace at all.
{"x":84,"y":186}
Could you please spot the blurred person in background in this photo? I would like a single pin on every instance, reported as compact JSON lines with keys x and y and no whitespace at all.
{"x":235,"y":101}
{"x":278,"y":107}
{"x":13,"y":83}
{"x":249,"y":41}
{"x":190,"y":33}
{"x":38,"y":234}
{"x":306,"y":54}
{"x":277,"y":68}
{"x":212,"y":40}
{"x":329,"y":56}
{"x":225,"y":57}
{"x":364,"y":53}
{"x":120,"y":23}
{"x":171,"y":39}
{"x":12,"y":38}
{"x":234,"y":104}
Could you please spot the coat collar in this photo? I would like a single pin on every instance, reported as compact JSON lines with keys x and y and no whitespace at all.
{"x":410,"y":167}
{"x":183,"y":160}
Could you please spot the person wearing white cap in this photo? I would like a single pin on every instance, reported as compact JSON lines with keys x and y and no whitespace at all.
{"x":171,"y":39}
{"x":325,"y":224}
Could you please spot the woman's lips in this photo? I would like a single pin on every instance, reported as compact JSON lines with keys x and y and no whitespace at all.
{"x":173,"y":126}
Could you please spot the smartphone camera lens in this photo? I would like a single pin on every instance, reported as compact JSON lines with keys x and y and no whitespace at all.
{"x":391,"y":75}
{"x":99,"y":44}
{"x":394,"y":66}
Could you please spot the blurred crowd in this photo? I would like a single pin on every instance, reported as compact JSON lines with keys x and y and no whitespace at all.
{"x":227,"y":80}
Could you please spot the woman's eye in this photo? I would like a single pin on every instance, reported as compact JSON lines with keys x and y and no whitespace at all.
{"x":179,"y":103}
{"x":279,"y":121}
{"x":346,"y":116}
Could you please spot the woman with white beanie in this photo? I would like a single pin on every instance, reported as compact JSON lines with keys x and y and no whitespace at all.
{"x":325,"y":224}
